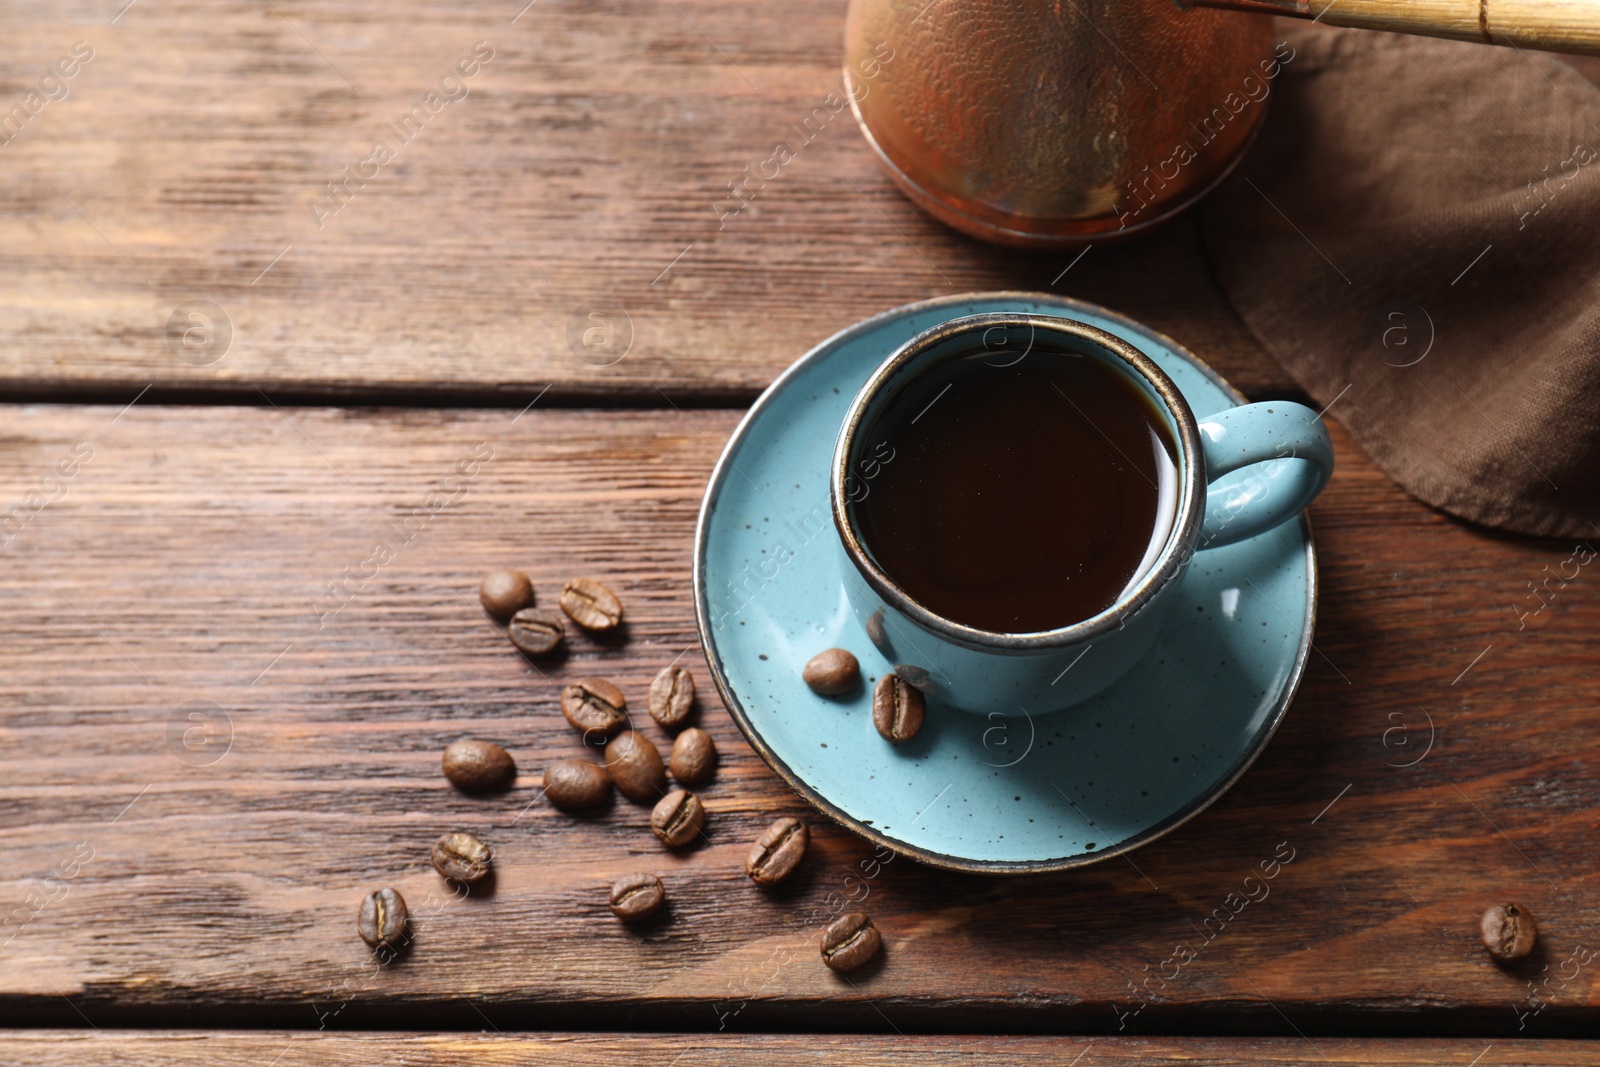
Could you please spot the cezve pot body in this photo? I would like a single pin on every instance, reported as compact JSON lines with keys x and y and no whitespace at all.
{"x":1046,"y":124}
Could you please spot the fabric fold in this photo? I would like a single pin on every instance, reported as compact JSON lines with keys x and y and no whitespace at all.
{"x":1414,"y":237}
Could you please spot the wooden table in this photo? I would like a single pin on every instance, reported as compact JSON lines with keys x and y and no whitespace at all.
{"x":182,"y":889}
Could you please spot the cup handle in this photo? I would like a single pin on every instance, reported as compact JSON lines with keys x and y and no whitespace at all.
{"x":1288,"y":447}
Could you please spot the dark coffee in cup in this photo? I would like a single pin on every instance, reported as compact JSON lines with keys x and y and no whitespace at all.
{"x":1015,"y":494}
{"x":1012,"y":491}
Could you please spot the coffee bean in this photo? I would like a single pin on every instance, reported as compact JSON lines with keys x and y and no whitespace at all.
{"x":478,"y":766}
{"x":504,"y":593}
{"x":382,"y":919}
{"x":535,"y":632}
{"x":832,"y":672}
{"x":1508,"y":931}
{"x":678,"y":818}
{"x":672,"y":697}
{"x":577,"y":784}
{"x":777,"y":852}
{"x":694,"y":757}
{"x":461,"y":858}
{"x":590,"y":604}
{"x":849,"y":941}
{"x":594,"y":705}
{"x":636,"y":897}
{"x":635,"y":765}
{"x":897,"y":708}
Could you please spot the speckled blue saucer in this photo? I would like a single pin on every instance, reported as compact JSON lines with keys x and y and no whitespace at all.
{"x":971,"y":793}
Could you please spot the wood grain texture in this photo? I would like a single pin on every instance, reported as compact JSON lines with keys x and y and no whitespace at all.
{"x":253,"y":1049}
{"x":188,"y":560}
{"x":1563,"y":26}
{"x":596,"y":146}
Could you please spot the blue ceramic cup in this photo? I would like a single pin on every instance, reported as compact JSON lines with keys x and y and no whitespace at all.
{"x":1280,"y":451}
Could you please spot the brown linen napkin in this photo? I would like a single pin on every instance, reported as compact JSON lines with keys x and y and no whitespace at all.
{"x":1415,"y":238}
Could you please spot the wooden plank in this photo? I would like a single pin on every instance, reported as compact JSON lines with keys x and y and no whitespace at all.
{"x":589,"y":164}
{"x":252,"y":1049}
{"x":188,"y":559}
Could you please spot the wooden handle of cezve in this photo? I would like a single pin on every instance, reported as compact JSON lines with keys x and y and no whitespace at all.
{"x":1549,"y":25}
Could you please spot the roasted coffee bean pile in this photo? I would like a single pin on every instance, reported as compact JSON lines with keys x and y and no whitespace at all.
{"x":598,"y":710}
